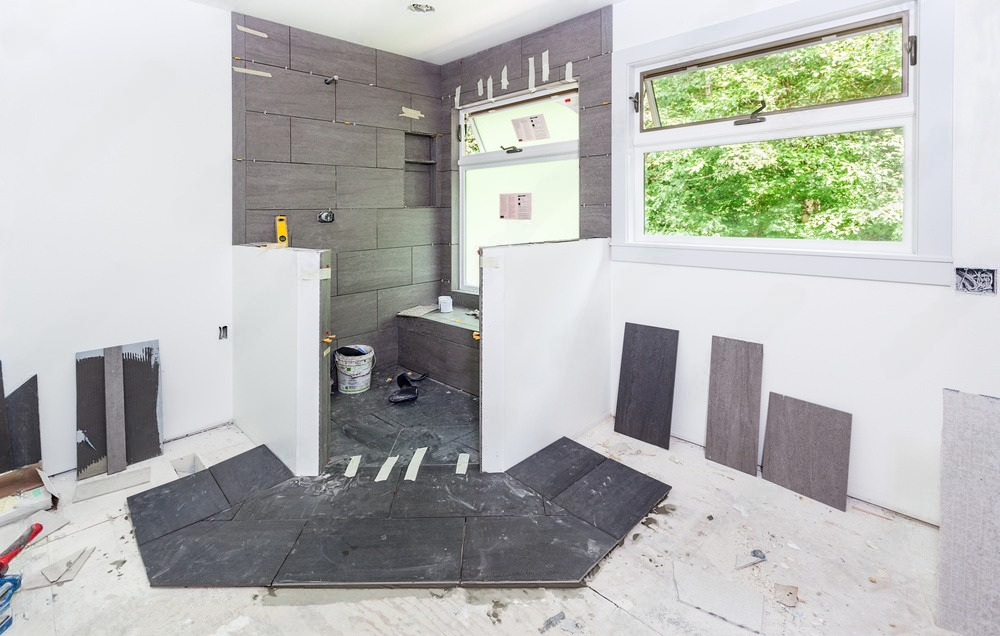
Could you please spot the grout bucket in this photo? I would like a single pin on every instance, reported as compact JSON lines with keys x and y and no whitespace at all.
{"x":354,"y":373}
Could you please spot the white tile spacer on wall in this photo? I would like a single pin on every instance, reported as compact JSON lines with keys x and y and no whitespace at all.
{"x":250,"y":71}
{"x":531,"y":74}
{"x":259,"y":34}
{"x":545,"y":66}
{"x":503,"y":78}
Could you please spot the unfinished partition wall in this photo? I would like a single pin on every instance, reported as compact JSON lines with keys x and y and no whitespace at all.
{"x":584,"y":44}
{"x":324,"y":125}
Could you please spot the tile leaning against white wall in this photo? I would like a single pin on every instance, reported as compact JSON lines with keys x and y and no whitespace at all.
{"x":115,"y":207}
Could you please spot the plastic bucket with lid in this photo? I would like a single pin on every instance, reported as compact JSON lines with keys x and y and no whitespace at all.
{"x":354,"y":372}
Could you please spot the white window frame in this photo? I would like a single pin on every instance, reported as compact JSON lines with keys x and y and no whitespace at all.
{"x":925,"y":113}
{"x":531,"y":154}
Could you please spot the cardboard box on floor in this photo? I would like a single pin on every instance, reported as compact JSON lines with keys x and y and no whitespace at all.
{"x":23,"y":492}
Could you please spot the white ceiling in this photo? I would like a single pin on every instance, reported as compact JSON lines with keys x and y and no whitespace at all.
{"x":456,"y":29}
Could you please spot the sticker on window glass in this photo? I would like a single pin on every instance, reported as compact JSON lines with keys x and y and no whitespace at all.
{"x":515,"y":206}
{"x":531,"y":128}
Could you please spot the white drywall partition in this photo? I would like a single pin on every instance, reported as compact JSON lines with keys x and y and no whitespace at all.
{"x":545,"y":351}
{"x":115,"y":201}
{"x":276,"y":327}
{"x":881,"y":351}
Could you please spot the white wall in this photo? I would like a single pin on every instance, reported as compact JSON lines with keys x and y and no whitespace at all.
{"x":882,"y":351}
{"x":545,"y":351}
{"x":115,"y":200}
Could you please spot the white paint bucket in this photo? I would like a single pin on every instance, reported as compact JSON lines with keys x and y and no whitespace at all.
{"x":444,"y":304}
{"x":354,"y":373}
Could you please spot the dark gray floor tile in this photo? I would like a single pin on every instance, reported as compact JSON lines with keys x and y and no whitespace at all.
{"x":613,"y":497}
{"x":807,"y":449}
{"x":646,"y":384}
{"x":365,"y":435}
{"x":172,"y":506}
{"x":256,"y":469}
{"x":225,"y":515}
{"x":554,"y":468}
{"x":375,"y":552}
{"x":553,"y":510}
{"x":444,"y":444}
{"x":734,"y":404}
{"x":548,"y":550}
{"x":439,"y":492}
{"x":220,"y":553}
{"x":329,"y":496}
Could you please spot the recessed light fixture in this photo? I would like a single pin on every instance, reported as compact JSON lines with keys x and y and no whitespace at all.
{"x":421,"y":8}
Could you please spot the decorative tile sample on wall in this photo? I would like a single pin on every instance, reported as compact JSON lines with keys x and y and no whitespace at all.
{"x":646,"y":383}
{"x":734,"y":403}
{"x":807,"y":449}
{"x":968,"y":595}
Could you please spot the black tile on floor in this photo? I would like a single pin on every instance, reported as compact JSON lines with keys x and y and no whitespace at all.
{"x":367,"y":435}
{"x":553,"y":510}
{"x":220,"y":553}
{"x":375,"y":552}
{"x":242,"y":475}
{"x":444,"y":444}
{"x":324,"y":497}
{"x":225,"y":515}
{"x":552,"y":469}
{"x":613,"y":497}
{"x":439,"y":492}
{"x":164,"y":509}
{"x":546,"y":550}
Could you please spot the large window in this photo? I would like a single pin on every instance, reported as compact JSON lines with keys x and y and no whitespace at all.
{"x":802,"y":143}
{"x":519,"y":175}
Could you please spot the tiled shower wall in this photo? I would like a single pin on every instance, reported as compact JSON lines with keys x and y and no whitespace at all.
{"x":301,"y":146}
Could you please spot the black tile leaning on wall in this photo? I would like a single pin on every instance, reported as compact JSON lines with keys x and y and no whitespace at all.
{"x":268,"y":137}
{"x":332,"y":144}
{"x":413,"y":226}
{"x":354,"y":313}
{"x":372,"y":106}
{"x":272,"y":49}
{"x":373,"y":269}
{"x":369,"y":187}
{"x":328,"y":56}
{"x":351,"y":230}
{"x":407,"y":74}
{"x":290,"y":93}
{"x":282,"y":186}
{"x":394,"y":300}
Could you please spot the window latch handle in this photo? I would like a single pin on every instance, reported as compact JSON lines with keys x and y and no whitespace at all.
{"x":755,"y":117}
{"x":635,"y":101}
{"x":510,"y":150}
{"x":911,"y":49}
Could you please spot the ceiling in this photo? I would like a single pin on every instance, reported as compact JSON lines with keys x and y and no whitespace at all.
{"x":457,"y":28}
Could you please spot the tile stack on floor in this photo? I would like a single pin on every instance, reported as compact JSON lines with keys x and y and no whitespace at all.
{"x":244,"y":522}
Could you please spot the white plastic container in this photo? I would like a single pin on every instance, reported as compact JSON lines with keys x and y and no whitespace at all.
{"x":354,"y":373}
{"x":444,"y":304}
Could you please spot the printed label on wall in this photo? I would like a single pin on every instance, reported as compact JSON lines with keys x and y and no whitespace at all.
{"x":516,"y":206}
{"x":531,"y":128}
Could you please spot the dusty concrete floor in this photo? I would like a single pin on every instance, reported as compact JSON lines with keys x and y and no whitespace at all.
{"x":857,"y":573}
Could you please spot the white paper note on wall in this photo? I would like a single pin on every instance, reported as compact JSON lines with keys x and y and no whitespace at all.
{"x":515,"y":206}
{"x":532,"y":128}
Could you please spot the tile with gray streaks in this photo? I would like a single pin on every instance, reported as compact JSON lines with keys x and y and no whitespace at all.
{"x":418,"y":147}
{"x":430,"y":262}
{"x":380,"y":551}
{"x":447,"y":189}
{"x":807,"y":449}
{"x":556,"y":467}
{"x":485,"y":63}
{"x":239,"y":200}
{"x":419,"y":186}
{"x":369,"y":187}
{"x":174,"y":505}
{"x":250,"y":471}
{"x":734,"y":403}
{"x":329,"y":56}
{"x":332,"y":144}
{"x":968,"y":596}
{"x":443,"y":443}
{"x":445,"y":153}
{"x":439,"y":492}
{"x":270,"y":50}
{"x":383,"y":340}
{"x":437,"y":405}
{"x":114,"y":409}
{"x":454,"y":364}
{"x":613,"y":497}
{"x":389,"y":148}
{"x":595,"y":131}
{"x":290,"y":93}
{"x":646,"y":384}
{"x":351,"y":230}
{"x":539,"y":549}
{"x":595,"y":81}
{"x":354,"y":313}
{"x":607,"y":24}
{"x":457,"y":329}
{"x":373,"y":269}
{"x":436,"y":116}
{"x":595,"y":180}
{"x":290,"y":186}
{"x":364,"y":434}
{"x":395,"y":300}
{"x":569,"y":41}
{"x":372,"y":106}
{"x":328,"y":496}
{"x":268,"y":137}
{"x":413,"y":226}
{"x":220,"y":554}
{"x":407,"y":74}
{"x":595,"y":221}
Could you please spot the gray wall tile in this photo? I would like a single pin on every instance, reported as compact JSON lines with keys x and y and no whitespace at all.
{"x":569,"y":41}
{"x":430,"y":262}
{"x":372,"y":106}
{"x":418,"y":147}
{"x":332,"y":143}
{"x":290,"y":93}
{"x":490,"y":62}
{"x":276,"y":186}
{"x":270,"y":50}
{"x":595,"y":131}
{"x":407,"y":74}
{"x":354,"y":313}
{"x":595,"y":80}
{"x":734,"y":403}
{"x":434,"y":111}
{"x":418,"y":185}
{"x":595,"y":221}
{"x":383,"y":341}
{"x":607,"y":23}
{"x":267,"y":137}
{"x":369,"y":187}
{"x":374,"y":269}
{"x":390,"y":146}
{"x":595,"y":180}
{"x":351,"y":230}
{"x":454,"y":364}
{"x":239,"y":202}
{"x":392,"y":301}
{"x":413,"y":226}
{"x":451,"y":76}
{"x":329,"y":56}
